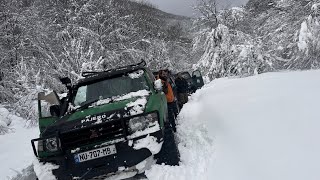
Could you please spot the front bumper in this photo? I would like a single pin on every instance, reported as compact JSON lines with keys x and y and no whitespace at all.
{"x":127,"y":157}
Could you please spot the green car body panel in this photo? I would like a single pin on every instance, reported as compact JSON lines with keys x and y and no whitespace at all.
{"x":156,"y":102}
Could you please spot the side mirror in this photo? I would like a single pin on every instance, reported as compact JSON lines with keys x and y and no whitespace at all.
{"x":66,"y":81}
{"x":158,"y":85}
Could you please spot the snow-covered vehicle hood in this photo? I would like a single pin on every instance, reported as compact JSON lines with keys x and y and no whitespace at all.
{"x":102,"y":112}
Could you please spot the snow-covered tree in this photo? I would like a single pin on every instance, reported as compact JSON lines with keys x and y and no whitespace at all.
{"x":229,"y":49}
{"x":261,"y":37}
{"x":42,"y":40}
{"x":309,"y":41}
{"x":208,"y":10}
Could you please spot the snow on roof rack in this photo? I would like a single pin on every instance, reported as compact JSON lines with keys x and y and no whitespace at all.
{"x":92,"y":73}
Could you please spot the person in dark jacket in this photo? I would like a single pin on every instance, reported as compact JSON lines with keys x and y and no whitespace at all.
{"x":182,"y":90}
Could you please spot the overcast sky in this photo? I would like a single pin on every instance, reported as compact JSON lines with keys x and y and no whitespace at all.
{"x":184,"y":7}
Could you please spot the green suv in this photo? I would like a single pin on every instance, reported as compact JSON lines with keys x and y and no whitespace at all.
{"x":110,"y":122}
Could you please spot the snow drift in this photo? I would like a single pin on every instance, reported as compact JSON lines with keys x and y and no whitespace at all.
{"x":15,"y":148}
{"x":261,"y":127}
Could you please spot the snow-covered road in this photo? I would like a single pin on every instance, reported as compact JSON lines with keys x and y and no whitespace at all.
{"x":15,"y":148}
{"x":264,"y":127}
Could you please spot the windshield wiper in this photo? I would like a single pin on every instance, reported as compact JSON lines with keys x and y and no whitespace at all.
{"x":85,"y":105}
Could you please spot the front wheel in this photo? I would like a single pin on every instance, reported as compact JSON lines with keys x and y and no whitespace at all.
{"x":169,"y":153}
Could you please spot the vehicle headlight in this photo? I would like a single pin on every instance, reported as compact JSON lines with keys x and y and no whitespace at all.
{"x":52,"y":144}
{"x":141,"y":123}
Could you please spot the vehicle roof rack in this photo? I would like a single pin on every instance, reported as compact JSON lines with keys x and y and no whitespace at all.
{"x":132,"y":66}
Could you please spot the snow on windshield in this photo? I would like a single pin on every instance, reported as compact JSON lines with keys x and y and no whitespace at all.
{"x":102,"y":101}
{"x":114,"y":88}
{"x":140,"y":93}
{"x":136,"y":74}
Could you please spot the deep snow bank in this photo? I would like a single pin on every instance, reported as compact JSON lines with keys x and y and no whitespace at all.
{"x":261,"y":127}
{"x":15,"y":148}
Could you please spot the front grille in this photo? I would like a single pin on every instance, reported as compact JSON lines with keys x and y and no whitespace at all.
{"x":102,"y":132}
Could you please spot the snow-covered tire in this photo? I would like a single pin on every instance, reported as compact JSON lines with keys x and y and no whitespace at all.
{"x":169,"y":153}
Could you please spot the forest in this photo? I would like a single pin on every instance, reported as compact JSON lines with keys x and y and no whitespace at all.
{"x":43,"y":40}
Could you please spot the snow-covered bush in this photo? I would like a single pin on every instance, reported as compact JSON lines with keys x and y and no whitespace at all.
{"x":26,"y":174}
{"x":27,"y":107}
{"x":5,"y":120}
{"x":3,"y":128}
{"x":25,"y":87}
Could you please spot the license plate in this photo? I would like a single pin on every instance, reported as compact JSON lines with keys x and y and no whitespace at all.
{"x":95,"y":154}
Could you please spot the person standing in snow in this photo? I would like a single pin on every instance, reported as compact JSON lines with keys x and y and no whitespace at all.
{"x":167,"y":89}
{"x":182,"y":90}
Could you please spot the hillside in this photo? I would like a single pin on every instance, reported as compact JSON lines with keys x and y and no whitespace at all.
{"x":42,"y":40}
{"x":261,"y":37}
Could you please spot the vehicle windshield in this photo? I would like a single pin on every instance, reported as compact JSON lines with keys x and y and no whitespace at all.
{"x":186,"y":75}
{"x":113,"y":87}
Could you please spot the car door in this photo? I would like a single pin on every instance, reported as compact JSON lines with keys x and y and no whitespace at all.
{"x":197,"y":79}
{"x":188,"y":78}
{"x":46,"y":102}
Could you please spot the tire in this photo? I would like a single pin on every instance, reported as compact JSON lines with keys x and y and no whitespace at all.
{"x":177,"y":108}
{"x":169,"y":153}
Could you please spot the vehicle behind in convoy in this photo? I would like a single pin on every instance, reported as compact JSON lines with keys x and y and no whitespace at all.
{"x":111,"y":122}
{"x":195,"y":80}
